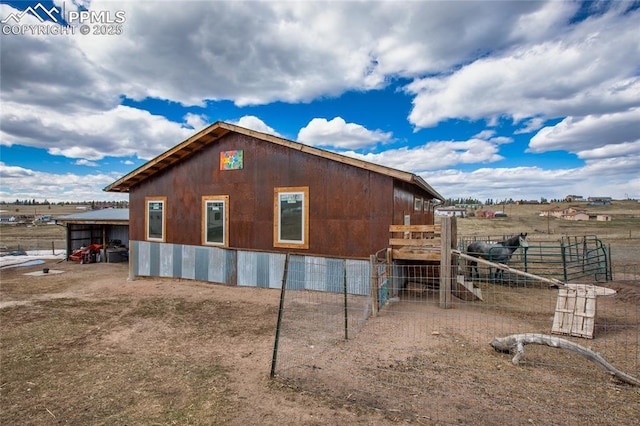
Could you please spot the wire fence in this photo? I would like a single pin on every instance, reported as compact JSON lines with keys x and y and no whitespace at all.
{"x":38,"y":245}
{"x":417,"y":362}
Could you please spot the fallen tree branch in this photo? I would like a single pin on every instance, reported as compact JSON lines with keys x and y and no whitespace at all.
{"x":517,"y":342}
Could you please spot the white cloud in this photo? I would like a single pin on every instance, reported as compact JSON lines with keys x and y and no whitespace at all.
{"x":119,"y":132}
{"x":86,"y":163}
{"x":196,"y":121}
{"x":337,"y":133}
{"x":614,"y":151}
{"x":254,"y":123}
{"x":434,"y":155}
{"x":531,"y":125}
{"x":573,"y":74}
{"x":22,"y":183}
{"x":469,"y":60}
{"x":577,"y":134}
{"x":534,"y":182}
{"x":263,"y":52}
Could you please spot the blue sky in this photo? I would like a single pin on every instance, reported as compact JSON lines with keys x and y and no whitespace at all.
{"x":484,"y":99}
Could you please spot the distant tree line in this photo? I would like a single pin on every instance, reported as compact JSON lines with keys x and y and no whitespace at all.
{"x":94,"y":205}
{"x":492,"y":202}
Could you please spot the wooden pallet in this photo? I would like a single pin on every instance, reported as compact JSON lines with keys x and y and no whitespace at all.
{"x":576,"y":309}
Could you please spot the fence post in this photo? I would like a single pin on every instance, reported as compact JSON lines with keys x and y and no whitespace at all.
{"x":563,"y":249}
{"x":393,"y":291}
{"x":445,"y":262}
{"x":346,"y":303}
{"x":280,"y":311}
{"x":373,"y":283}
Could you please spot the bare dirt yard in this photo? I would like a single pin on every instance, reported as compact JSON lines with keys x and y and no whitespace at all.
{"x":82,"y":345}
{"x":86,"y":346}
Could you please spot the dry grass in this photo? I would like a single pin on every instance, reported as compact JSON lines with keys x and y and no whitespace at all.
{"x":622,"y":233}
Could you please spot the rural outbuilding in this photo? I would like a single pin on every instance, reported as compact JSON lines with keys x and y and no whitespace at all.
{"x":227,"y":204}
{"x":108,"y":228}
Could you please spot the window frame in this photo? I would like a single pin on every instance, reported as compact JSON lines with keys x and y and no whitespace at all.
{"x":225,"y":222}
{"x":417,"y":204}
{"x":147,"y":201}
{"x":277,"y":241}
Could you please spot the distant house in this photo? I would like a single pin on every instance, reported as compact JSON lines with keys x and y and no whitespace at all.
{"x":603,"y":217}
{"x":599,"y":201}
{"x":451,"y":211}
{"x":576,"y":216}
{"x":485,"y":213}
{"x":553,"y":212}
{"x":574,"y":198}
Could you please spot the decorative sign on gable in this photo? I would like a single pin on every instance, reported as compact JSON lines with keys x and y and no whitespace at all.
{"x":231,"y":160}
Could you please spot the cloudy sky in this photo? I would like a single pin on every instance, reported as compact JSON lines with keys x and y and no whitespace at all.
{"x":483,"y":99}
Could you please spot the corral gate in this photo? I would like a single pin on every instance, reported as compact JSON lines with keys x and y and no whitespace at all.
{"x":570,"y":259}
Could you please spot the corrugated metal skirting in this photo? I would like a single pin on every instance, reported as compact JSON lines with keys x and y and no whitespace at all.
{"x":248,"y":268}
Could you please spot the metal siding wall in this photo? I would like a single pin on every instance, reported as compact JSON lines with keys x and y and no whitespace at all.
{"x":276,"y":269}
{"x":313,"y":273}
{"x":144,"y":264}
{"x":334,"y":275}
{"x":296,"y":273}
{"x":119,"y":232}
{"x":201,"y":263}
{"x":358,"y":276}
{"x":216,"y":265}
{"x":189,"y":262}
{"x":247,"y":268}
{"x":177,"y":260}
{"x":154,"y":259}
{"x":262,"y":270}
{"x":250,"y":269}
{"x":230,"y":268}
{"x":166,"y":260}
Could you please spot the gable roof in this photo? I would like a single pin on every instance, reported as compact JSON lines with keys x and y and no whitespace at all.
{"x":219,"y":129}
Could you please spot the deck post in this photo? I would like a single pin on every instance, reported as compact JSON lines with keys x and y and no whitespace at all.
{"x":446,"y":271}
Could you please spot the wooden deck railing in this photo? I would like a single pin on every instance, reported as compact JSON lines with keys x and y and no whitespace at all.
{"x":415,"y":242}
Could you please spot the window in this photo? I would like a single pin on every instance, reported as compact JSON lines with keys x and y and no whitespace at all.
{"x":291,"y":217}
{"x":215,"y":220}
{"x":417,"y":204}
{"x":155,"y":218}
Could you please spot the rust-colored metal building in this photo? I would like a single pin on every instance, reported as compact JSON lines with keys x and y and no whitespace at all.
{"x":233,"y":189}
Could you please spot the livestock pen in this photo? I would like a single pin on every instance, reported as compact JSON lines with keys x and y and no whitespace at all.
{"x":397,"y":350}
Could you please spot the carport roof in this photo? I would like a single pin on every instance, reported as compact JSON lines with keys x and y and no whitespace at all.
{"x":217,"y":130}
{"x":103,"y":216}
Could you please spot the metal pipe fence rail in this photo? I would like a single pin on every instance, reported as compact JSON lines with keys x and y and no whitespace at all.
{"x":419,"y":363}
{"x":570,"y":259}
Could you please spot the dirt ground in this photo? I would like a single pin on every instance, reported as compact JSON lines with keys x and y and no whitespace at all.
{"x":82,"y":345}
{"x":86,"y":346}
